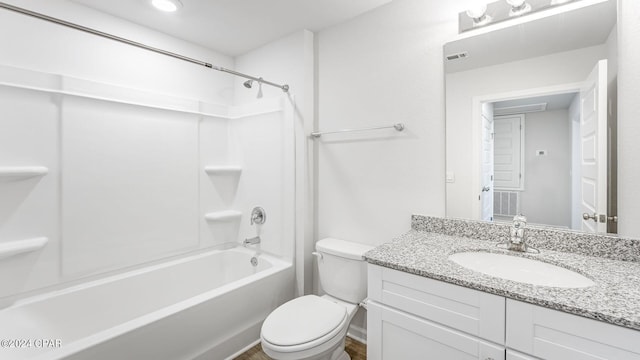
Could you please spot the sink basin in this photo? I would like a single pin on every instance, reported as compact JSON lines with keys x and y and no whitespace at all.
{"x":520,"y":269}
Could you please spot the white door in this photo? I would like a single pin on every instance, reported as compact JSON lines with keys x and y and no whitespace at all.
{"x":593,"y":123}
{"x":486,"y":193}
{"x":508,"y":151}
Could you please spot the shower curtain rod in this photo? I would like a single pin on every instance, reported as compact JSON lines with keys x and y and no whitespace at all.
{"x":40,"y":16}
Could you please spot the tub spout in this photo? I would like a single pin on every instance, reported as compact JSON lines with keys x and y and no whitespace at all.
{"x":251,"y":241}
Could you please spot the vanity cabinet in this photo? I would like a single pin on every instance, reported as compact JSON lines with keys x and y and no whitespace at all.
{"x":552,"y":334}
{"x":393,"y":335}
{"x":414,"y":317}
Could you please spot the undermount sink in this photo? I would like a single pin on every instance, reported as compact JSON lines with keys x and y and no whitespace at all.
{"x":520,"y":269}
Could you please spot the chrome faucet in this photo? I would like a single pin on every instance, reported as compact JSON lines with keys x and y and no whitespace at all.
{"x":251,"y":241}
{"x":517,"y":240}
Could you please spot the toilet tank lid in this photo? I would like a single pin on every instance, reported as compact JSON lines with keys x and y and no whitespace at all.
{"x":343,"y":248}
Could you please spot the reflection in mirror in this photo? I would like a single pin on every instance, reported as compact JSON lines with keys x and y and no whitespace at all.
{"x":531,"y":119}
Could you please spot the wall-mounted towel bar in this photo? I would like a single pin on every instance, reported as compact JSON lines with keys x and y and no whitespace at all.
{"x":398,"y":127}
{"x":12,"y":248}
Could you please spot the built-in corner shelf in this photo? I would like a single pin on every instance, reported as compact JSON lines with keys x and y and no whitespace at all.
{"x":223,"y":216}
{"x":12,"y":248}
{"x":13,"y":173}
{"x":223,"y":170}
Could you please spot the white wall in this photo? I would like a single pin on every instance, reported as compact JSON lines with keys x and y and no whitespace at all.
{"x":462,"y":87}
{"x":290,"y":61}
{"x":378,"y":69}
{"x":382,"y":68}
{"x":546,"y":198}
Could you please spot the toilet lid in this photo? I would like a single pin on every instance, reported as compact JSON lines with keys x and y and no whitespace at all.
{"x":302,"y":320}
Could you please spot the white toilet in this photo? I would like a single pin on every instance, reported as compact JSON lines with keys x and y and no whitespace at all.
{"x":313,"y":327}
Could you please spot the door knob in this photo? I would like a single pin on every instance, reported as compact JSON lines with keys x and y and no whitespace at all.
{"x":486,"y":188}
{"x":593,"y":217}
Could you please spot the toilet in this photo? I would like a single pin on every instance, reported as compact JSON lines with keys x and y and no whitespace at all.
{"x":315,"y":327}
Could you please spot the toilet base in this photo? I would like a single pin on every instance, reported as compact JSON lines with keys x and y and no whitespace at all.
{"x":344,"y":356}
{"x":337,"y":353}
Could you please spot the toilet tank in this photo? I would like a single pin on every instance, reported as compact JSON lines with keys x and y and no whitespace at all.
{"x":342,"y":269}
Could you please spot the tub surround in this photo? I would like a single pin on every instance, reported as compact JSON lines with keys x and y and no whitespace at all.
{"x":611,"y":262}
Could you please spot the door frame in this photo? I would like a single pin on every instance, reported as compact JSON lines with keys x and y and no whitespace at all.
{"x":476,"y":131}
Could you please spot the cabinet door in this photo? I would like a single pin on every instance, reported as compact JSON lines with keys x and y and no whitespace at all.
{"x":395,"y":335}
{"x":555,"y":335}
{"x":471,"y":311}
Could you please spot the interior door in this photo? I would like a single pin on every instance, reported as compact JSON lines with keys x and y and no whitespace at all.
{"x":593,"y":123}
{"x":508,"y":167}
{"x":486,"y":193}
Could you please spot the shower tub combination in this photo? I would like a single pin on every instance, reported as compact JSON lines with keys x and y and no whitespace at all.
{"x":206,"y":306}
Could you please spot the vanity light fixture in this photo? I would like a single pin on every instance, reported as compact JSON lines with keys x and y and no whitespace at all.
{"x":478,"y":13}
{"x":483,"y":13}
{"x":518,"y":7}
{"x":167,"y":5}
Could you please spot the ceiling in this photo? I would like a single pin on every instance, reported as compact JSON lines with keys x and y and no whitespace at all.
{"x":234,"y":27}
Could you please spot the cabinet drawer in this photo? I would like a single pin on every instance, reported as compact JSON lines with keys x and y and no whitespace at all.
{"x":551,"y":334}
{"x":471,"y":311}
{"x":394,"y":335}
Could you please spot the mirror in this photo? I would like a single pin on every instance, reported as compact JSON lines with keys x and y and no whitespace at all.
{"x":531,"y":119}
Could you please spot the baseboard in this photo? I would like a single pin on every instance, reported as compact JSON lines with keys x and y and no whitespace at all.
{"x":244,"y":350}
{"x":357,"y":333}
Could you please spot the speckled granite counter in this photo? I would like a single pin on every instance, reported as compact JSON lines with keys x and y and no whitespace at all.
{"x":614,"y":299}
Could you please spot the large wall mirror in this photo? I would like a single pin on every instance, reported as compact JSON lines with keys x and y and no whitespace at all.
{"x":531,"y":119}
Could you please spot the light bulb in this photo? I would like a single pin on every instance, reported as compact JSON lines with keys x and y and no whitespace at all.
{"x":166,"y":5}
{"x":477,"y":11}
{"x":518,"y":7}
{"x":515,"y":3}
{"x":479,"y":14}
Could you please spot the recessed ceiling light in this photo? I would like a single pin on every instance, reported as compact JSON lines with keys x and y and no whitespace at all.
{"x":167,"y":5}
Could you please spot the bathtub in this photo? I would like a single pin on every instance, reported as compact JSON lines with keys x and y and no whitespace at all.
{"x":206,"y":306}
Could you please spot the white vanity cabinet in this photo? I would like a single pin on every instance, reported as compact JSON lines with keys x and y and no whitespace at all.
{"x":552,"y":334}
{"x":414,"y":317}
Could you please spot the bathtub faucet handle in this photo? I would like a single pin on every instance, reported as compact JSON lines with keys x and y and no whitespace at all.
{"x":258,"y":216}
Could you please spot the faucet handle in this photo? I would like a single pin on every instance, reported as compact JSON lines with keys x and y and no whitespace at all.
{"x":258,"y":216}
{"x":520,"y":219}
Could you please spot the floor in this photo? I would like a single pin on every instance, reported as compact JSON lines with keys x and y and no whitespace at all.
{"x":355,"y":349}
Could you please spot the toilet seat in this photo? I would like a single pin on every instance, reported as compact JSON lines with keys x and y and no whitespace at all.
{"x":303,"y":324}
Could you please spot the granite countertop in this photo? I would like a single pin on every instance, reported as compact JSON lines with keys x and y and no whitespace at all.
{"x":615,"y":297}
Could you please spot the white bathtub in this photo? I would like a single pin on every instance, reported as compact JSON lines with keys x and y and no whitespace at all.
{"x":207,"y":306}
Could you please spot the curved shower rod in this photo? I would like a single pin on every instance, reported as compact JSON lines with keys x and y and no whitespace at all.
{"x":40,"y":16}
